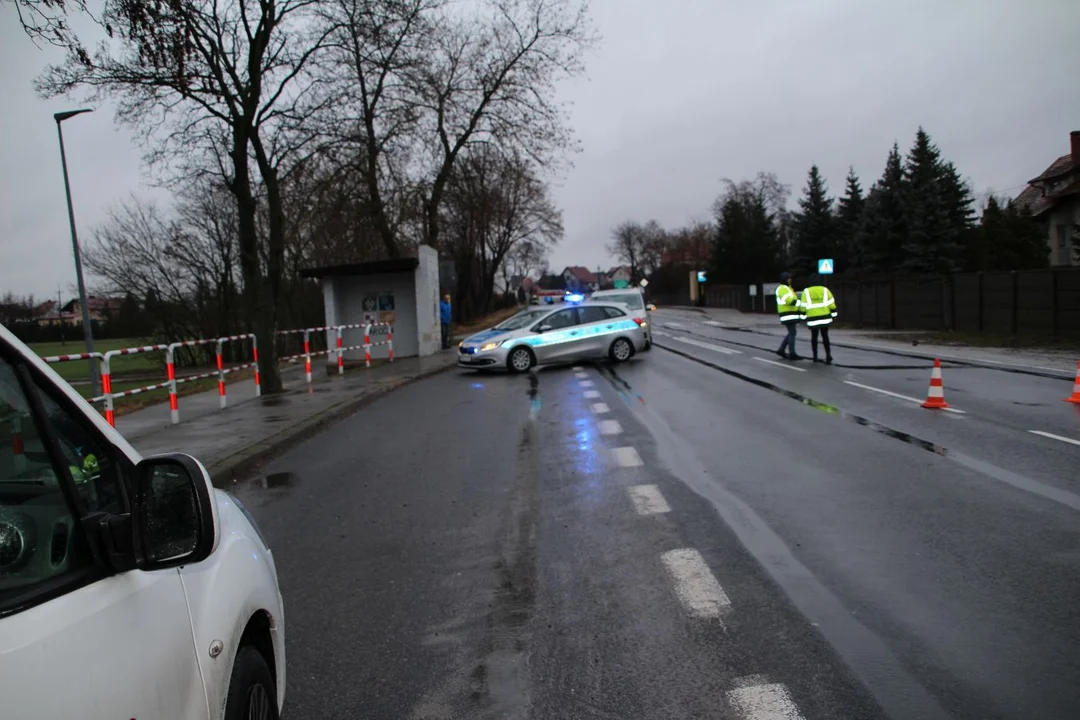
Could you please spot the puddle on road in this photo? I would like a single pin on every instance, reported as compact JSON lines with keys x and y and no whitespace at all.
{"x":798,"y":397}
{"x":534,"y":396}
{"x":277,"y":480}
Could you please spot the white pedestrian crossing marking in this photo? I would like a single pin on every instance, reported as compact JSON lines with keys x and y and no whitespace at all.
{"x":609,"y":427}
{"x":756,"y":700}
{"x":648,"y":500}
{"x":627,"y":457}
{"x":695,"y":584}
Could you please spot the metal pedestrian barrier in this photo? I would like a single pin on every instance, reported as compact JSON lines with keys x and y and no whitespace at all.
{"x":172,"y":381}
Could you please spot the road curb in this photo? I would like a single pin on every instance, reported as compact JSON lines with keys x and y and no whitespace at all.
{"x":225,"y":472}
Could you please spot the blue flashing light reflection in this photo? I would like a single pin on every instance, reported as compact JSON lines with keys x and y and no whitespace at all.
{"x":574,"y":298}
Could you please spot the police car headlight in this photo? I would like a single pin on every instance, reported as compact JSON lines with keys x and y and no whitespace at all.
{"x":488,"y":346}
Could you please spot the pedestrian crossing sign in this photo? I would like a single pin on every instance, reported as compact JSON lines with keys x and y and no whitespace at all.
{"x":825,"y":266}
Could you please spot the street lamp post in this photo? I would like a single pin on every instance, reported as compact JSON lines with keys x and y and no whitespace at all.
{"x":88,"y":331}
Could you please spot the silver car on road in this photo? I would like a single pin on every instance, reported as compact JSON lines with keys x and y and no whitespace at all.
{"x":537,"y":336}
{"x":633,"y":298}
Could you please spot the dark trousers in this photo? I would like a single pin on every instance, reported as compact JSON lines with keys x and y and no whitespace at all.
{"x":788,"y":344}
{"x":445,"y":335}
{"x":823,"y":330}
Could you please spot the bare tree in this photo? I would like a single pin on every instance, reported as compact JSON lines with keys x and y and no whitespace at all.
{"x":184,"y":263}
{"x":493,"y":82}
{"x":494,"y":204}
{"x":219,"y":87}
{"x":47,"y":20}
{"x":376,"y":47}
{"x":639,"y":246}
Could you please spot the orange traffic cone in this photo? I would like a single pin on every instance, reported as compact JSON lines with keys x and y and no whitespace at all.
{"x":935,"y":396}
{"x":1075,"y":397}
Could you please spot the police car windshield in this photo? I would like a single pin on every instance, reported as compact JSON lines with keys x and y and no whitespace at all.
{"x":522,"y":319}
{"x":632,"y":300}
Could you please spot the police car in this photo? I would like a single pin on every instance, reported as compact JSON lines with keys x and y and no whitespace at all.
{"x":562,"y":333}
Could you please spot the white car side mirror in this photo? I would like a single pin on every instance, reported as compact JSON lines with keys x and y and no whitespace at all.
{"x":173,"y":512}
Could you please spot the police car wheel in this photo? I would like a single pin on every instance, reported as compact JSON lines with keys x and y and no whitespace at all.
{"x":252,"y":695}
{"x":520,"y":360}
{"x":621,"y":350}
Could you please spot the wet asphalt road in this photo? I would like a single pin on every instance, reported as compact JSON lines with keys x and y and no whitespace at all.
{"x":668,"y":539}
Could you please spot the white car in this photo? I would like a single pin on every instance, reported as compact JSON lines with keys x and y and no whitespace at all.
{"x":634,"y":299}
{"x":129,"y":586}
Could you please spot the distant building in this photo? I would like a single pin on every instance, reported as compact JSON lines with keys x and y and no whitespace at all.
{"x":101,"y":310}
{"x":1054,"y":198}
{"x":618,"y":273}
{"x":580,"y":279}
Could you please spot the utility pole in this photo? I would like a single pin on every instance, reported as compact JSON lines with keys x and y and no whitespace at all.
{"x":84,"y":307}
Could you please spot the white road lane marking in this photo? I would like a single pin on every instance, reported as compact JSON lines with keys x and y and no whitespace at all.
{"x":627,"y":457}
{"x":707,"y":346}
{"x":600,"y":408}
{"x":890,"y":393}
{"x":581,"y":374}
{"x":648,"y":500}
{"x":585,"y":383}
{"x":779,"y":364}
{"x":766,"y":701}
{"x":609,"y":427}
{"x":712,"y":322}
{"x":592,"y":394}
{"x":695,"y":584}
{"x":1052,"y":436}
{"x":673,"y":325}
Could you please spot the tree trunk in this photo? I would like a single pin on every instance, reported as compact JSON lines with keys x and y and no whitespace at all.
{"x":268,"y":360}
{"x":371,"y":178}
{"x":254,"y":294}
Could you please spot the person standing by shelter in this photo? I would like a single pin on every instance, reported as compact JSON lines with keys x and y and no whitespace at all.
{"x":818,"y":310}
{"x":787,"y":308}
{"x":446,"y":314}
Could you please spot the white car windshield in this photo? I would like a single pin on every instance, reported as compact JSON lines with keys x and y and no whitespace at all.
{"x":632,"y":300}
{"x":522,"y":319}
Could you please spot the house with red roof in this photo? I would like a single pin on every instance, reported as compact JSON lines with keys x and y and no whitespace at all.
{"x":580,"y":279}
{"x":1054,"y":198}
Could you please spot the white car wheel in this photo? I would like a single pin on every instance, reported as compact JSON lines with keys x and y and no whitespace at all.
{"x":621,"y":350}
{"x":520,"y":360}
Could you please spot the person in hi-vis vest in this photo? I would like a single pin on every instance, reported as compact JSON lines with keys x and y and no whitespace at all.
{"x":787,"y":308}
{"x":818,"y":311}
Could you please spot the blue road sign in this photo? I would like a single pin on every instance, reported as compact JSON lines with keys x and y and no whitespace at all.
{"x":825,"y":266}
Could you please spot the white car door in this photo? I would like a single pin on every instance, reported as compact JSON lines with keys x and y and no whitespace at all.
{"x":559,"y":336}
{"x":77,"y":638}
{"x":597,"y":328}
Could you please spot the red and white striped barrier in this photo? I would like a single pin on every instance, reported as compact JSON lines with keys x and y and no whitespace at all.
{"x":170,"y":369}
{"x":106,"y":378}
{"x":388,"y":342}
{"x":18,"y":451}
{"x":53,"y":359}
{"x":171,"y":382}
{"x":222,"y":371}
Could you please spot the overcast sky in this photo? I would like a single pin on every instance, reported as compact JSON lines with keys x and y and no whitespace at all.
{"x":679,"y":95}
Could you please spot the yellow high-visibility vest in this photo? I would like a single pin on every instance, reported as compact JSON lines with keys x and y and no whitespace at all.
{"x":818,"y":306}
{"x":787,"y":303}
